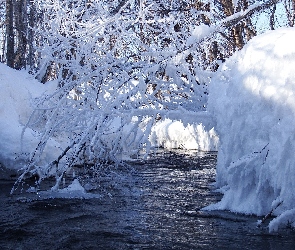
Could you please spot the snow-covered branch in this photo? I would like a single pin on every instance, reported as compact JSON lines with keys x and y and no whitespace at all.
{"x":117,"y":78}
{"x":252,"y":9}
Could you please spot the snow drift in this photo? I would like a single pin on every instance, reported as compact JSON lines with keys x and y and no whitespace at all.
{"x":252,"y":98}
{"x":170,"y":134}
{"x":18,"y":90}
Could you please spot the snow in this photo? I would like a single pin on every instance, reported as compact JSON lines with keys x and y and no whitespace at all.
{"x":171,"y":134}
{"x":199,"y":33}
{"x":18,"y":89}
{"x":252,"y":99}
{"x":284,"y":219}
{"x":73,"y":191}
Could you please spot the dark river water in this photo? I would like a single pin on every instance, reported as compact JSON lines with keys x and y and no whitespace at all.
{"x":157,"y":205}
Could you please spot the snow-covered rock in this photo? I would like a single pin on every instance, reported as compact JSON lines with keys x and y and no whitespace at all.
{"x":252,"y":98}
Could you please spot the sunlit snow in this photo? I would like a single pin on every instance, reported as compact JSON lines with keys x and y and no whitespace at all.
{"x":200,"y":32}
{"x":171,"y":134}
{"x":18,"y":89}
{"x":252,"y":99}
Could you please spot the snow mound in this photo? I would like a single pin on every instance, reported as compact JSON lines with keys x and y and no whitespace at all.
{"x":18,"y":89}
{"x":171,"y":134}
{"x":252,"y":98}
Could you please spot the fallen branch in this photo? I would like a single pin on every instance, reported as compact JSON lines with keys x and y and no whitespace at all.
{"x":268,"y":215}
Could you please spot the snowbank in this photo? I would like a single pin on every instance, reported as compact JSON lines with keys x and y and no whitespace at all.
{"x":171,"y":134}
{"x":252,"y":98}
{"x":18,"y":88}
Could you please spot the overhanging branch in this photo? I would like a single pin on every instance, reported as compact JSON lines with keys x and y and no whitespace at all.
{"x":239,"y":16}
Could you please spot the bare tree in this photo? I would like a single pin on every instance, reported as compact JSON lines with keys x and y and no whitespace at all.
{"x":241,"y":32}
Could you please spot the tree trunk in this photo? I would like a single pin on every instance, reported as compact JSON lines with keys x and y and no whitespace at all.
{"x":21,"y":27}
{"x":9,"y":34}
{"x":272,"y":18}
{"x":31,"y":21}
{"x":290,"y":10}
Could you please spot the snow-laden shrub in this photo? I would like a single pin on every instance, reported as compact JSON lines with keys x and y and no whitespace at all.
{"x":252,"y":98}
{"x":119,"y":71}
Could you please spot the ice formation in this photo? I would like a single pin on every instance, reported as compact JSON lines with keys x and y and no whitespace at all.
{"x":252,"y":98}
{"x":73,"y":191}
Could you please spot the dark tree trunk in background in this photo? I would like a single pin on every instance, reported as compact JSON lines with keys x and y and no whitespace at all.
{"x":16,"y":33}
{"x":243,"y":31}
{"x":290,"y":11}
{"x":9,"y":33}
{"x":272,"y":18}
{"x":31,"y":20}
{"x":20,"y":14}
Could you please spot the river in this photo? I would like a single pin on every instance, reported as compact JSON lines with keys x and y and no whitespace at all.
{"x":157,"y":205}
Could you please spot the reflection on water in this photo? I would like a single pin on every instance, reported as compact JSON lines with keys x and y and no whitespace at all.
{"x":157,"y":206}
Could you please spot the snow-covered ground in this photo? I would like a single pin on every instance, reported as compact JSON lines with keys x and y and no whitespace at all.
{"x":252,"y":98}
